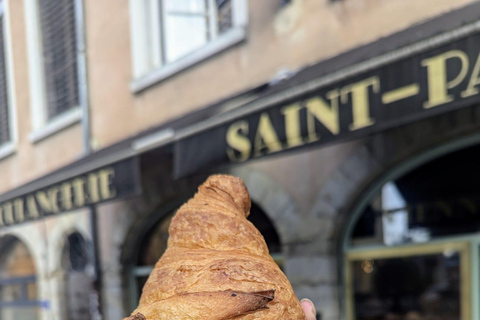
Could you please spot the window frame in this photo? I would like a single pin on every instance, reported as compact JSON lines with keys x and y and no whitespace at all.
{"x":42,"y":127}
{"x":9,"y":147}
{"x":465,"y":246}
{"x":147,"y":55}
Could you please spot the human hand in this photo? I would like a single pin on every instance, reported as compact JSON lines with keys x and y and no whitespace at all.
{"x":309,"y":309}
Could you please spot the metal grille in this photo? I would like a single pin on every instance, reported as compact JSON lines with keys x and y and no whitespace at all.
{"x":4,"y":112}
{"x":225,"y":20}
{"x":60,"y":54}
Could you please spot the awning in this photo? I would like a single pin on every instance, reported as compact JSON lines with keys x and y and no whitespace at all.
{"x":342,"y":99}
{"x":392,"y":81}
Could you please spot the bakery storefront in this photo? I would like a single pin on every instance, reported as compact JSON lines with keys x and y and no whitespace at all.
{"x":362,"y":171}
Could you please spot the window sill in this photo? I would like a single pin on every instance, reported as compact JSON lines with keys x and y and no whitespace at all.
{"x":55,"y":125}
{"x":7,"y":149}
{"x":220,"y":44}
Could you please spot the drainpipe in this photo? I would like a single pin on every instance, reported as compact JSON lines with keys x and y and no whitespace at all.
{"x":95,"y":308}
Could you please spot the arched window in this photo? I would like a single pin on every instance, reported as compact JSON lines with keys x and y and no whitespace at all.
{"x":154,"y":243}
{"x":78,"y":284}
{"x":18,"y":288}
{"x":263,"y":223}
{"x":414,"y":250}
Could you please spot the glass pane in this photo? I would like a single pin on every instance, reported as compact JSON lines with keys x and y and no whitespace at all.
{"x":155,"y":243}
{"x":78,"y":287}
{"x":32,"y":291}
{"x":4,"y":112}
{"x":140,"y":283}
{"x":10,"y":293}
{"x":19,"y":313}
{"x":225,"y":21}
{"x":59,"y":44}
{"x":187,"y":6}
{"x":416,"y":287}
{"x":184,"y":34}
{"x":438,"y":199}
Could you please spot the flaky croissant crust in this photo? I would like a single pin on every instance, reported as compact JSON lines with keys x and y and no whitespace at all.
{"x":217,"y":265}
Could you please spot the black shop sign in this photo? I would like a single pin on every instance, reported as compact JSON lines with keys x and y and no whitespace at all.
{"x":118,"y":180}
{"x":423,"y":85}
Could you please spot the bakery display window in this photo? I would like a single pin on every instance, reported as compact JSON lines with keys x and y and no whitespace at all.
{"x":411,"y":247}
{"x":411,"y":282}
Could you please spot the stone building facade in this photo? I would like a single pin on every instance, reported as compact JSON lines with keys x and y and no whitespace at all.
{"x":133,"y":93}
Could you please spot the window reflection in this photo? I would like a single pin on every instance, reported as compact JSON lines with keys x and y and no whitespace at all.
{"x":416,"y":287}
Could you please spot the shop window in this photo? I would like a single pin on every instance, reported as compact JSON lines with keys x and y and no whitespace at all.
{"x":18,"y":289}
{"x":424,"y":282}
{"x":154,"y":244}
{"x":410,"y":253}
{"x":438,"y":199}
{"x":78,"y":283}
{"x":179,"y":33}
{"x":53,"y":64}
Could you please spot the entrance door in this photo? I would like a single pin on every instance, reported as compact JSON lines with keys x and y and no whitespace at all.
{"x":18,"y":288}
{"x":413,"y":282}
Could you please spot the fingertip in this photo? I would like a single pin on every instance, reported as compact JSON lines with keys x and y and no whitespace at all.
{"x":309,"y":309}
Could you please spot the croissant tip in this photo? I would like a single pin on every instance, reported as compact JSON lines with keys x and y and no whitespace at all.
{"x":234,"y":187}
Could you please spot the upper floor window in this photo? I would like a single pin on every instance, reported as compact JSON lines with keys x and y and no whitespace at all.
{"x":6,"y":85}
{"x":171,"y":35}
{"x":53,"y":64}
{"x":59,"y":44}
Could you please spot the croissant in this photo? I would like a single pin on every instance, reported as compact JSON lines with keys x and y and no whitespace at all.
{"x":217,"y":265}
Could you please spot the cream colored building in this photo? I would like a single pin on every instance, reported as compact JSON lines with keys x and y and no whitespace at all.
{"x":88,"y":83}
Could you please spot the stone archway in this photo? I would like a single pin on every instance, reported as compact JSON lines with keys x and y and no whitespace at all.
{"x":18,"y":280}
{"x":376,"y":161}
{"x":387,"y":155}
{"x":276,"y":203}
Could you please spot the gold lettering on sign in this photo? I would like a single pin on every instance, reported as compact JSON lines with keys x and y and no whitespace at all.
{"x":19,"y":210}
{"x":44,"y":202}
{"x":107,"y":190}
{"x":79,"y":192}
{"x":318,"y":109}
{"x":292,"y":125}
{"x":401,"y":93}
{"x":93,"y":193}
{"x":438,"y":83}
{"x":66,"y":196}
{"x":8,"y":213}
{"x":237,"y":140}
{"x":53,"y":196}
{"x":2,"y":222}
{"x":32,"y":208}
{"x":474,"y":81}
{"x":266,"y":137}
{"x":361,"y":101}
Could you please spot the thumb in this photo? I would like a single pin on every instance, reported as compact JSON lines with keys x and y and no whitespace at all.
{"x":308,"y":309}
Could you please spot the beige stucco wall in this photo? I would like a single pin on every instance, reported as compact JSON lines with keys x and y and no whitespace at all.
{"x":293,"y":37}
{"x":32,"y":160}
{"x":303,"y":33}
{"x":45,"y":242}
